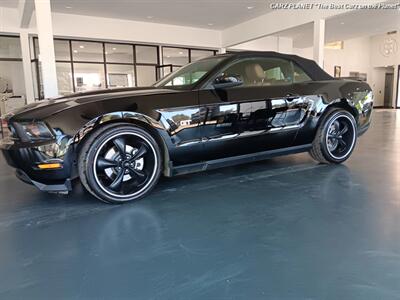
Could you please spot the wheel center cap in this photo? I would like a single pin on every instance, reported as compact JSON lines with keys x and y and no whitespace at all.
{"x":126,"y":164}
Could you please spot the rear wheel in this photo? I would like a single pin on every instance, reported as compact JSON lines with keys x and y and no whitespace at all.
{"x":336,"y":137}
{"x":120,"y":163}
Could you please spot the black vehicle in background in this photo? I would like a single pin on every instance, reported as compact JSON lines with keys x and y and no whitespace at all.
{"x":215,"y":112}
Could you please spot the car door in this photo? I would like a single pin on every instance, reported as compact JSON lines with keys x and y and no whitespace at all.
{"x":261,"y":114}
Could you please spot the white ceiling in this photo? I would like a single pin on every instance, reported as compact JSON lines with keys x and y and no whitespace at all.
{"x":212,"y":14}
{"x":346,"y":26}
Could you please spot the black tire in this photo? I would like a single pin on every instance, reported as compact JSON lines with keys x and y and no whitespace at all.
{"x":336,"y":137}
{"x":119,"y":163}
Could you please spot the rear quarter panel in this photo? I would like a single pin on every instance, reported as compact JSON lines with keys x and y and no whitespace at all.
{"x":355,"y":96}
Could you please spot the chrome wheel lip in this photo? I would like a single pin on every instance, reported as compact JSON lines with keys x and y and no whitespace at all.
{"x":353,"y":138}
{"x":154,"y":172}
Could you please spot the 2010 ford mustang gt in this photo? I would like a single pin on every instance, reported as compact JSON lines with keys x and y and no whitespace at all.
{"x":218,"y":111}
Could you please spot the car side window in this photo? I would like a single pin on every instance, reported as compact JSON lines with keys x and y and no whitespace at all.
{"x":266,"y":72}
{"x":299,"y":75}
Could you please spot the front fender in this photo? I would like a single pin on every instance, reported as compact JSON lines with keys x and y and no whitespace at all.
{"x":115,"y":117}
{"x":154,"y":127}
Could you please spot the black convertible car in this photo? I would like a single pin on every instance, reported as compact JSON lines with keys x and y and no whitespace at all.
{"x":218,"y":111}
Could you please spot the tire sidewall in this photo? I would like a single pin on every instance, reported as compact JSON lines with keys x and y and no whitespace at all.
{"x":327,"y":122}
{"x":91,"y":156}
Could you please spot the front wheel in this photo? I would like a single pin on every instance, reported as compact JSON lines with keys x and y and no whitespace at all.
{"x":119,"y":163}
{"x":336,"y":137}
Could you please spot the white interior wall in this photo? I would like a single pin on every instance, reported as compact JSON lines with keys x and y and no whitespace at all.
{"x":354,"y":57}
{"x":268,"y":43}
{"x":285,"y":45}
{"x":378,"y":59}
{"x":9,"y":20}
{"x":96,"y":28}
{"x":304,"y":52}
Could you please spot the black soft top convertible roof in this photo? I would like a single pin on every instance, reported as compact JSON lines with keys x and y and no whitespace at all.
{"x":309,"y":66}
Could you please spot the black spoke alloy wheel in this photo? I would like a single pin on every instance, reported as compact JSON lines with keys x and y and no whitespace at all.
{"x":340,"y":137}
{"x":336,"y":137}
{"x":122,"y":164}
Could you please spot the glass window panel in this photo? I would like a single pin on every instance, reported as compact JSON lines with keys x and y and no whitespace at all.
{"x":119,"y":53}
{"x":262,"y":71}
{"x":146,"y":75}
{"x":36,"y":47}
{"x":61,"y":49}
{"x":87,"y":51}
{"x":120,"y":76}
{"x":146,"y":54}
{"x":64,"y":78}
{"x":10,"y":47}
{"x":35,"y":80}
{"x":199,"y":54}
{"x":299,"y":75}
{"x":175,"y":56}
{"x":165,"y":70}
{"x":41,"y":88}
{"x":89,"y":77}
{"x":12,"y":78}
{"x":191,"y":73}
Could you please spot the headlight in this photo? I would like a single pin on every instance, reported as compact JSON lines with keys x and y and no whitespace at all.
{"x":33,"y":131}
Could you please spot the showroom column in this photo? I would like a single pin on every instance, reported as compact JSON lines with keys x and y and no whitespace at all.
{"x":222,"y":51}
{"x":27,"y":67}
{"x":46,"y":47}
{"x":319,"y":41}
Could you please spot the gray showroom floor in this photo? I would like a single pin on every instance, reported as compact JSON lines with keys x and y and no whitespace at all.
{"x":286,"y":228}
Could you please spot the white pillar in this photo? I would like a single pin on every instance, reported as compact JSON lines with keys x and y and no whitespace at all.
{"x":27,"y":67}
{"x":46,"y":48}
{"x":396,"y":90}
{"x":222,"y":51}
{"x":319,"y":42}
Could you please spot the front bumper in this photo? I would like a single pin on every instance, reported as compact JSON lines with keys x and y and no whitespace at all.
{"x":26,"y":159}
{"x":61,"y":188}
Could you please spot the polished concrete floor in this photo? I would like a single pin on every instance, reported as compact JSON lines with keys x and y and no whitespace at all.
{"x":286,"y":228}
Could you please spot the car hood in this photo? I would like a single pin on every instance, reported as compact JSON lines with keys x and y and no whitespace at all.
{"x":52,"y":106}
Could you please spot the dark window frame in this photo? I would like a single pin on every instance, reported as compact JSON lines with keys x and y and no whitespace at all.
{"x":104,"y":62}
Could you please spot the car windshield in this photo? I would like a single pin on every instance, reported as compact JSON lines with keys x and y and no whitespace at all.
{"x":191,"y":73}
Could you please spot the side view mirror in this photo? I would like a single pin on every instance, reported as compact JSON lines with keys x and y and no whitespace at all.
{"x":225,"y":81}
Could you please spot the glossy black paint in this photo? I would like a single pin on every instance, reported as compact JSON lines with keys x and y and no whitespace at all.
{"x":191,"y":125}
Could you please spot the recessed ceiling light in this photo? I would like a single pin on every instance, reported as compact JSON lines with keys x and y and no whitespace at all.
{"x":341,"y":23}
{"x":180,"y":52}
{"x":81,"y":46}
{"x":250,"y":7}
{"x":68,"y":7}
{"x":114,"y":49}
{"x":75,"y":51}
{"x":168,"y":56}
{"x":210,"y":24}
{"x":106,"y":52}
{"x":150,"y":17}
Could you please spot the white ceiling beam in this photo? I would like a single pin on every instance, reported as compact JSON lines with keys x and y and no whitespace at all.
{"x":282,"y":19}
{"x":25,"y":11}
